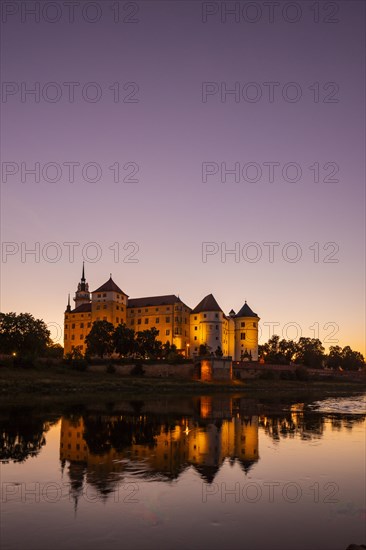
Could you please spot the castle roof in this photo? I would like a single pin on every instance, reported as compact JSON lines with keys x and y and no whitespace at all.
{"x":110,"y":286}
{"x":246,"y":312}
{"x":207,"y":304}
{"x":83,"y":308}
{"x":166,"y":300}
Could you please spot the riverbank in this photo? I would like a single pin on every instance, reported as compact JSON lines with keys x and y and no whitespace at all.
{"x":66,"y":381}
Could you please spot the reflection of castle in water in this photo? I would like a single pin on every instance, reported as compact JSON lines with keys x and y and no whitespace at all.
{"x":144,"y":446}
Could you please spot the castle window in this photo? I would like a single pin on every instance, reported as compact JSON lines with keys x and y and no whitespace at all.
{"x":81,"y":325}
{"x":139,"y":311}
{"x":139,"y":321}
{"x":195,"y":318}
{"x":132,"y":311}
{"x":73,"y":325}
{"x":117,"y":295}
{"x":146,"y":309}
{"x":157,"y":320}
{"x":81,"y":336}
{"x":254,"y":324}
{"x":168,"y":308}
{"x":217,"y":326}
{"x":99,"y":295}
{"x":65,"y":337}
{"x":204,"y":315}
{"x":195,"y":338}
{"x":105,"y":306}
{"x":156,"y":309}
{"x":89,"y":325}
{"x":167,"y":332}
{"x":122,"y":308}
{"x":104,"y":295}
{"x":158,"y":332}
{"x":66,"y":326}
{"x":167,"y":319}
{"x":195,"y":328}
{"x":117,"y":307}
{"x":217,"y":337}
{"x":242,"y":324}
{"x":242,"y":336}
{"x":216,"y":315}
{"x":98,"y":307}
{"x":117,"y":319}
{"x":73,"y":337}
{"x":146,"y":321}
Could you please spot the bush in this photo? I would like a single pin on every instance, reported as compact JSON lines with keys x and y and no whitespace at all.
{"x":302,"y":374}
{"x":287,"y":375}
{"x":267,"y":375}
{"x":23,"y":362}
{"x":137,"y":370}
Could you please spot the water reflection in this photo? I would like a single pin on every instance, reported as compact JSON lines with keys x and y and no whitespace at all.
{"x":162,"y":468}
{"x":22,"y":435}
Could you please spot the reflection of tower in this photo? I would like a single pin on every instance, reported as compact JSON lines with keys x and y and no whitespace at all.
{"x":246,"y":441}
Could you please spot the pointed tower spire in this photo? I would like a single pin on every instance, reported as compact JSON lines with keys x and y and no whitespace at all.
{"x":68,"y":308}
{"x":82,"y":294}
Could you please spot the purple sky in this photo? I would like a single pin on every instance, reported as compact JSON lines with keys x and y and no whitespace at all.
{"x":169,"y":212}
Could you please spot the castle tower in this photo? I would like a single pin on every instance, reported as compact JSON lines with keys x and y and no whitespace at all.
{"x":246,"y":334}
{"x":109,"y":303}
{"x":82,"y":295}
{"x":208,"y":326}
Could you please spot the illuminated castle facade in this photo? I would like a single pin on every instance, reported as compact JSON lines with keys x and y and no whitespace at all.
{"x":236,"y":334}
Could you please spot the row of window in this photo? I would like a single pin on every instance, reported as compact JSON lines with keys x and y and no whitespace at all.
{"x":81,"y":325}
{"x":210,"y":327}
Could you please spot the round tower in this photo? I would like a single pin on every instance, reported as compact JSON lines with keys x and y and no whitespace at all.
{"x":246,"y":334}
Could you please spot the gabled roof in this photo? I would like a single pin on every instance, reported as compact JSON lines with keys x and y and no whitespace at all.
{"x":110,"y":286}
{"x":246,"y":312}
{"x":207,"y":304}
{"x":166,"y":300}
{"x":82,"y":308}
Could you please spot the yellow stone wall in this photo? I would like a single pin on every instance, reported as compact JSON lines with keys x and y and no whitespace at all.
{"x":76,"y":327}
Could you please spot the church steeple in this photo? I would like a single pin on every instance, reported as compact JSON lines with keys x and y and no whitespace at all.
{"x":68,"y":307}
{"x":82,"y":295}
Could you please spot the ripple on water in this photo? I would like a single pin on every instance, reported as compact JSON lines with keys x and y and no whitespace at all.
{"x":342,"y":405}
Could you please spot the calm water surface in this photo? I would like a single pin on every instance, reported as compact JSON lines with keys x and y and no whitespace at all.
{"x":181,"y":473}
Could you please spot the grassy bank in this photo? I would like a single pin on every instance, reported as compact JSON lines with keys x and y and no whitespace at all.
{"x":66,"y":381}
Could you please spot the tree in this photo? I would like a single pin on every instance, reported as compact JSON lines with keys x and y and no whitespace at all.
{"x":169,"y":352}
{"x":204,"y":349}
{"x":310,"y":352}
{"x":54,"y":351}
{"x":124,"y":340}
{"x":219,"y":352}
{"x":276,"y":351}
{"x":352,"y":360}
{"x":147,"y":344}
{"x":287,"y":350}
{"x":23,"y":334}
{"x":99,"y":341}
{"x":334,"y":359}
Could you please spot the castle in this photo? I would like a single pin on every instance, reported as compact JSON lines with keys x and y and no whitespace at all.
{"x":236,"y":334}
